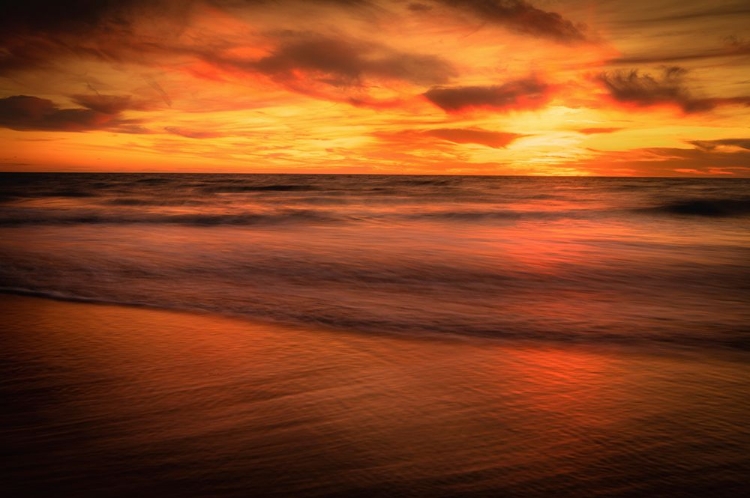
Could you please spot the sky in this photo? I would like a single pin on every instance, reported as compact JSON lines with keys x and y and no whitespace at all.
{"x":487,"y":87}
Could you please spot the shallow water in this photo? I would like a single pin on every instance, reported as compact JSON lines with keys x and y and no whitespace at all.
{"x":111,"y":401}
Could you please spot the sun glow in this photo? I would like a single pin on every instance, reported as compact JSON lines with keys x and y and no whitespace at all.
{"x":375,"y":86}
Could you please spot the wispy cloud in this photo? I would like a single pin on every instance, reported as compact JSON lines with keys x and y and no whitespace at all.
{"x":494,"y":139}
{"x":112,"y":104}
{"x":670,"y":161}
{"x":192,"y":133}
{"x":522,"y":17}
{"x":711,"y":145}
{"x":732,"y":47}
{"x":426,"y":138}
{"x":598,"y":130}
{"x":644,"y":90}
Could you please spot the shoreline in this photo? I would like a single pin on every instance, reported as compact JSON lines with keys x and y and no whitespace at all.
{"x":119,"y":401}
{"x":647,"y":349}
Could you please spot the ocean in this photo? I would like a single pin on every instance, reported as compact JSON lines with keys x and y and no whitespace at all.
{"x":649,"y":262}
{"x":561,"y":293}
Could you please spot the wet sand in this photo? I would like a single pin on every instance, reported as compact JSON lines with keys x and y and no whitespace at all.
{"x":103,"y":400}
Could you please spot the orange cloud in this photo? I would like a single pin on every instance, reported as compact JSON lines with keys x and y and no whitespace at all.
{"x":595,"y":130}
{"x":668,"y":161}
{"x":494,"y":139}
{"x":732,"y":47}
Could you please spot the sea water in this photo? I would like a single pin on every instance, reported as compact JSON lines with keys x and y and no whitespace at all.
{"x":654,"y":262}
{"x":458,"y":336}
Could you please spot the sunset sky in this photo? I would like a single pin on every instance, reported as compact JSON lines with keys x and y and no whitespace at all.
{"x":496,"y":87}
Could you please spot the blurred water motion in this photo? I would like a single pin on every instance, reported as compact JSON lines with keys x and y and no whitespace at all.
{"x":599,"y":260}
{"x":107,"y":401}
{"x":396,"y":336}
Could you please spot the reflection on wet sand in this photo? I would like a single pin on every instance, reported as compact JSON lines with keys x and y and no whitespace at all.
{"x":116,"y":401}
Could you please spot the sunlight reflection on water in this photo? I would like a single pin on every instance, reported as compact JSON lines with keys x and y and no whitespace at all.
{"x":124,"y":401}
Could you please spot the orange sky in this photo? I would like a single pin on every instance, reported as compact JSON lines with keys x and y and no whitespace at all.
{"x":609,"y":87}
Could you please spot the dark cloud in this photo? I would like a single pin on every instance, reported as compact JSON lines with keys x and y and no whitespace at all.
{"x":335,"y":69}
{"x":130,"y":31}
{"x":46,"y":35}
{"x":595,"y":131}
{"x":55,"y":17}
{"x":38,"y":33}
{"x":710,"y":145}
{"x":645,"y":90}
{"x":25,"y":113}
{"x":17,"y":55}
{"x":521,"y":16}
{"x":65,"y":16}
{"x":529,"y":93}
{"x":41,"y":33}
{"x":342,"y":62}
{"x":82,"y":17}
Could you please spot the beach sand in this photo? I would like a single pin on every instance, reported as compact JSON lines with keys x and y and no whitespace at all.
{"x":103,"y":400}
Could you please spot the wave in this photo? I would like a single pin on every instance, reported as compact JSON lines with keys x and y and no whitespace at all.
{"x":192,"y":219}
{"x":9,"y":196}
{"x":735,"y":340}
{"x":710,"y":208}
{"x":699,"y":208}
{"x":135,"y":201}
{"x":695,"y":209}
{"x":500,"y":214}
{"x":291,"y":216}
{"x":238,"y":189}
